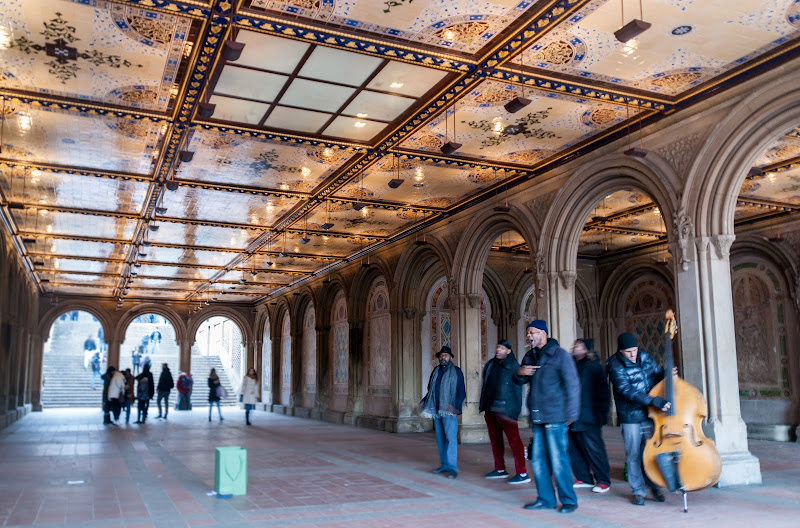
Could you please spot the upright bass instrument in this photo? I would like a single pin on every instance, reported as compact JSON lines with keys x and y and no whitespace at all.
{"x":679,"y":456}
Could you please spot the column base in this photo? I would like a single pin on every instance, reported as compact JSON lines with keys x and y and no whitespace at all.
{"x":411,"y":424}
{"x":739,"y":469}
{"x":473,"y":434}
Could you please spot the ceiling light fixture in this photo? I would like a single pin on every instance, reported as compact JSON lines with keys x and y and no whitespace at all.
{"x":396,"y":85}
{"x":172,"y":185}
{"x":185,"y":156}
{"x":450,"y":147}
{"x":205,"y":110}
{"x":161,"y":210}
{"x":327,"y":225}
{"x":519,"y":102}
{"x":632,"y":29}
{"x":397,"y":181}
{"x":362,"y":116}
{"x":232,"y":50}
{"x":360,"y":124}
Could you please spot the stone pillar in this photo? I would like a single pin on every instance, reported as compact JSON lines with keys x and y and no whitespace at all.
{"x":707,"y":338}
{"x":355,"y":399}
{"x":323,"y":362}
{"x":36,"y":372}
{"x":466,"y":338}
{"x":13,"y":369}
{"x":113,"y":351}
{"x":562,"y":307}
{"x":185,"y":356}
{"x":406,"y":371}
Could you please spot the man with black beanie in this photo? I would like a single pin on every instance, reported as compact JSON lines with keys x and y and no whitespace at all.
{"x":501,"y":402}
{"x":633,"y":374}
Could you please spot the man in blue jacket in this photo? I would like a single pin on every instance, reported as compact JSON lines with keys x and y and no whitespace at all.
{"x":554,"y":403}
{"x":446,"y":393}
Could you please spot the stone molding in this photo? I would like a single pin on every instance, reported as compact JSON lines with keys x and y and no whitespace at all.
{"x":568,"y":279}
{"x":684,"y":231}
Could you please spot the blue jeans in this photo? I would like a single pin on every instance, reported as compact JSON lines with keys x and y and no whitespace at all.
{"x":551,"y":460}
{"x":447,"y":439}
{"x":211,"y":406}
{"x":635,"y":435}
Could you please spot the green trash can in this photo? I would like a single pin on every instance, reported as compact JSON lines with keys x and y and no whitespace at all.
{"x":230,"y":471}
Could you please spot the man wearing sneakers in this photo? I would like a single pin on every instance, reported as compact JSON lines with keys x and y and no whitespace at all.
{"x":586,"y":448}
{"x":501,"y":402}
{"x":633,"y":373}
{"x":554,"y":403}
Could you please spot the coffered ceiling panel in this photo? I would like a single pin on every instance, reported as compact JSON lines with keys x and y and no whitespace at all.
{"x":77,"y":278}
{"x":76,"y":248}
{"x":58,"y":189}
{"x":238,"y":110}
{"x":84,"y":266}
{"x":369,"y":221}
{"x":158,"y":293}
{"x":51,"y":135}
{"x":550,"y":123}
{"x":225,"y":206}
{"x":153,"y":284}
{"x":58,"y":223}
{"x":426,"y":183}
{"x":153,"y":270}
{"x":689,"y":43}
{"x":458,"y":25}
{"x":97,"y":51}
{"x":784,"y":148}
{"x":339,"y":66}
{"x":242,"y":160}
{"x":293,"y":262}
{"x":297,"y":120}
{"x":191,"y":257}
{"x":71,"y":289}
{"x":270,"y":53}
{"x":320,"y":245}
{"x":250,"y":84}
{"x":405,"y":79}
{"x":208,"y":236}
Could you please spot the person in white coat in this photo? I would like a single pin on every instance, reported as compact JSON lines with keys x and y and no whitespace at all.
{"x":116,"y":391}
{"x":250,"y":393}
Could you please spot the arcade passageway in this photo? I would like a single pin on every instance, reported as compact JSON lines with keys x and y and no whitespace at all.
{"x":70,"y":471}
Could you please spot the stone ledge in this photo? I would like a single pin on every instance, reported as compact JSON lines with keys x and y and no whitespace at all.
{"x":415,"y":424}
{"x":336,"y":417}
{"x":302,"y":412}
{"x":739,"y":468}
{"x":473,"y":434}
{"x":777,"y":433}
{"x":371,"y":422}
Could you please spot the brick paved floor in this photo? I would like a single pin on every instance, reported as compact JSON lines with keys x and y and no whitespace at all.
{"x":62,"y":468}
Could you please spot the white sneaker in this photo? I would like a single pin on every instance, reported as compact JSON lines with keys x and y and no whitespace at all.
{"x":601,"y":488}
{"x":581,"y":484}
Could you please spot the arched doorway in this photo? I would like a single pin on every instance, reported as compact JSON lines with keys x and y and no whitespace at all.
{"x":286,"y":359}
{"x":76,"y":342}
{"x":377,"y":400}
{"x":266,"y":364}
{"x":152,"y":338}
{"x":309,"y":357}
{"x":218,"y":344}
{"x":340,"y":354}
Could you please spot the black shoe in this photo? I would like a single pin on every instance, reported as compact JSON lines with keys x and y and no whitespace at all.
{"x":538,"y":505}
{"x":638,"y":500}
{"x":658,"y":496}
{"x":138,"y":421}
{"x":165,"y":416}
{"x":248,"y":423}
{"x":568,"y":508}
{"x":496,"y":474}
{"x":440,"y":469}
{"x":157,"y":417}
{"x":450,"y":474}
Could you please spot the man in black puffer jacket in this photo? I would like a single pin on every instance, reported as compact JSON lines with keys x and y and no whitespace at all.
{"x":633,"y":373}
{"x":501,"y":402}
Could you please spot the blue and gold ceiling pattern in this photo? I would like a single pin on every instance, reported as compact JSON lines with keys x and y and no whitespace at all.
{"x":213,"y":150}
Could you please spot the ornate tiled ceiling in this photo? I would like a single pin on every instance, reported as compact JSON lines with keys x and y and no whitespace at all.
{"x":118,"y":180}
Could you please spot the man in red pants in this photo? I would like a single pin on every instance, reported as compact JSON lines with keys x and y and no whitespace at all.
{"x":501,"y":402}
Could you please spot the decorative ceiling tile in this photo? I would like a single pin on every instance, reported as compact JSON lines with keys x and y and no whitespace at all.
{"x":72,"y":289}
{"x":297,"y":120}
{"x":368,"y":221}
{"x":96,"y":51}
{"x":77,"y":248}
{"x":314,"y":95}
{"x":225,"y":206}
{"x":354,"y":129}
{"x":207,"y":236}
{"x":249,"y":84}
{"x":81,"y":279}
{"x":192,"y":257}
{"x":51,"y":135}
{"x":406,"y":79}
{"x":164,"y":282}
{"x":270,"y":53}
{"x":689,"y":43}
{"x":778,"y":187}
{"x":147,"y":271}
{"x":84,"y":266}
{"x":57,"y":223}
{"x":238,"y":110}
{"x":375,"y":105}
{"x":339,"y":66}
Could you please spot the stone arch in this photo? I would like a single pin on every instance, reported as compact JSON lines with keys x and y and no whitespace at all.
{"x":777,"y":253}
{"x":151,"y":308}
{"x":238,"y":319}
{"x":476,"y":241}
{"x":338,"y":351}
{"x":417,"y":262}
{"x":586,"y":310}
{"x":361,"y":284}
{"x":573,"y":204}
{"x":73,"y":305}
{"x":283,"y":371}
{"x":721,"y":166}
{"x":377,"y":361}
{"x":327,"y":294}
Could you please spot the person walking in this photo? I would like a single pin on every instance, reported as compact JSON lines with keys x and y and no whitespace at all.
{"x":116,"y":392}
{"x":250,"y":393}
{"x":501,"y":403}
{"x":587,"y":451}
{"x":106,"y":403}
{"x":165,"y":384}
{"x":130,"y":394}
{"x":633,"y":373}
{"x":145,"y":390}
{"x":184,"y":386}
{"x":136,"y":357}
{"x":95,"y":367}
{"x":554,"y":403}
{"x":214,"y":393}
{"x":155,"y":340}
{"x":446,"y":393}
{"x":89,"y":348}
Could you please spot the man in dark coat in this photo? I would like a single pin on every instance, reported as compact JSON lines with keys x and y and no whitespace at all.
{"x":165,"y":384}
{"x":633,"y":373}
{"x":501,"y":402}
{"x":446,"y":393}
{"x":144,"y":393}
{"x":586,"y":447}
{"x":554,"y":403}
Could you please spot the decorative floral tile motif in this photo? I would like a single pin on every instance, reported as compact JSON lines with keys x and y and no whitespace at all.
{"x":93,"y":50}
{"x":702,"y":43}
{"x":551,"y":122}
{"x":458,"y":25}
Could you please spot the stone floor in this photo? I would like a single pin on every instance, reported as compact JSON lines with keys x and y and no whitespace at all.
{"x":61,"y":468}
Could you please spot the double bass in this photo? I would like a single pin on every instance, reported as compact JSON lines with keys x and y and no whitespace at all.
{"x":679,"y":456}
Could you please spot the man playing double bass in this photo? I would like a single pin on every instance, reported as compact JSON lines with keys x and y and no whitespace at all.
{"x":633,"y":373}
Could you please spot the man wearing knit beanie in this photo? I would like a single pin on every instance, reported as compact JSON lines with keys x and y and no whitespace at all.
{"x":633,"y":373}
{"x":554,"y":403}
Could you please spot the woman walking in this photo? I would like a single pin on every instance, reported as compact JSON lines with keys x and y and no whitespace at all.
{"x":214,"y":393}
{"x":249,"y":393}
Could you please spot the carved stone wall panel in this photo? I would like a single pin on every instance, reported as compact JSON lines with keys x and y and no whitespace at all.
{"x":286,"y":360}
{"x":309,"y":352}
{"x":681,"y":152}
{"x":644,"y":307}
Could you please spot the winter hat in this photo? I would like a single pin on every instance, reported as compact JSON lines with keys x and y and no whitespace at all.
{"x":506,"y":344}
{"x":540,"y":324}
{"x":626,"y":340}
{"x":445,"y":350}
{"x":588,"y":343}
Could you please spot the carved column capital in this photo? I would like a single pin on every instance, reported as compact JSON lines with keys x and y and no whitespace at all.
{"x":684,"y":233}
{"x":474,"y":300}
{"x":722,"y":245}
{"x":568,"y":279}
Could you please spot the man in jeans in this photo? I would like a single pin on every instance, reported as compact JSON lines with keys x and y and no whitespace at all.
{"x":554,"y":403}
{"x":446,"y":393}
{"x":633,"y":373}
{"x":165,"y":384}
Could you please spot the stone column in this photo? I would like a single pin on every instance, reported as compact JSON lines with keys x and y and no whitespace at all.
{"x":323,"y":362}
{"x":355,"y":399}
{"x":406,"y":371}
{"x":36,"y":372}
{"x":562,"y":307}
{"x":707,"y":338}
{"x":185,"y":355}
{"x":113,"y":351}
{"x":466,"y":338}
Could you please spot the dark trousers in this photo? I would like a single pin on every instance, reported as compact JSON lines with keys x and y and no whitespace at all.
{"x":115,"y":407}
{"x":163,"y":395}
{"x":588,"y":451}
{"x":142,"y":410}
{"x":497,"y":424}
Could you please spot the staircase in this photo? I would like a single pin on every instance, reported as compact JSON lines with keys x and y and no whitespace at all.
{"x":66,"y":382}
